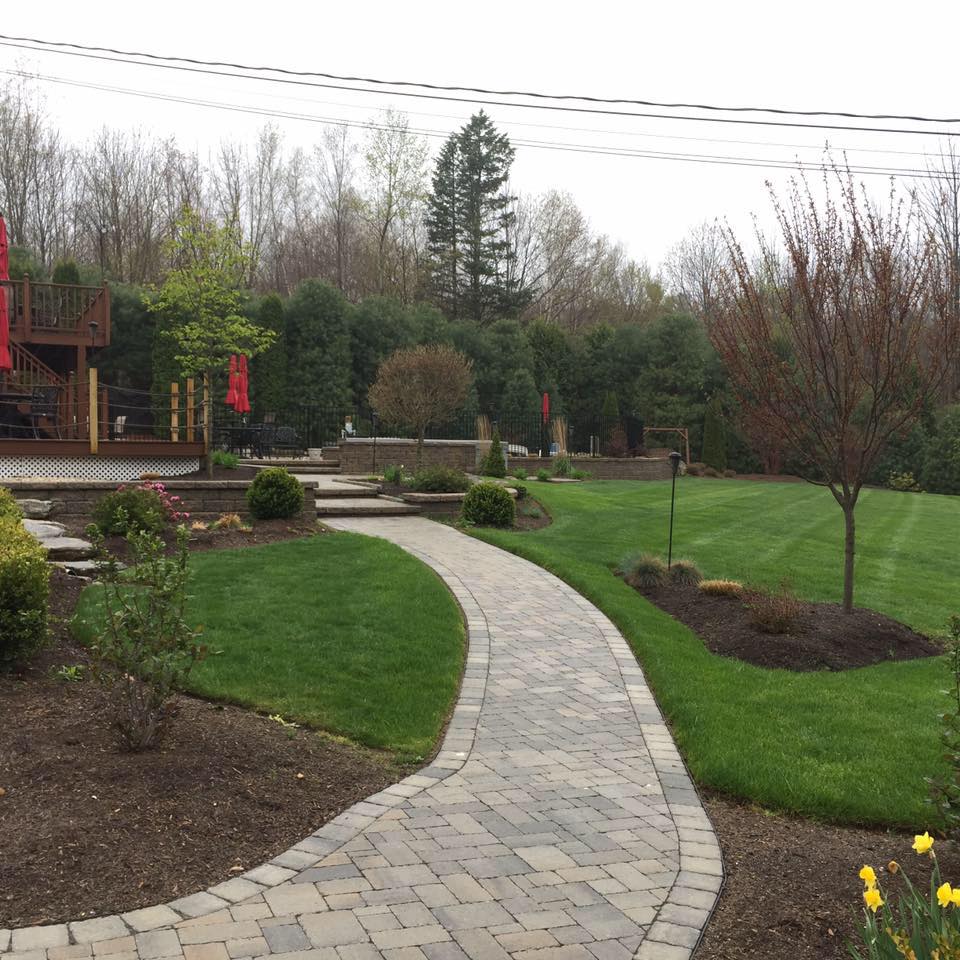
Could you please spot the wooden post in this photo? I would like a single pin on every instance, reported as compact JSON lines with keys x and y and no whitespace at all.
{"x":82,"y":378}
{"x":190,"y":409}
{"x":174,"y":411}
{"x":92,"y":396}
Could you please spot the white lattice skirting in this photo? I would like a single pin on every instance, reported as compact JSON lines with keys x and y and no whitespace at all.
{"x":94,"y":468}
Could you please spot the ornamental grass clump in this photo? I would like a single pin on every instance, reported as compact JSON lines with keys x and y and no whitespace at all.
{"x":918,"y":927}
{"x":722,"y":588}
{"x":644,"y":571}
{"x":684,"y":573}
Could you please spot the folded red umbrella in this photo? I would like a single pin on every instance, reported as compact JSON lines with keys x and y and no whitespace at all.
{"x":6,"y":361}
{"x":243,"y":386}
{"x":232,"y":382}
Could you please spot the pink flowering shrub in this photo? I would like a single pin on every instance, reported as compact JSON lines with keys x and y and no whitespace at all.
{"x":147,"y":508}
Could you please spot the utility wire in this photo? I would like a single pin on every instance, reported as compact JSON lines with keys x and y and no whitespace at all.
{"x":483,"y":102}
{"x":484,"y":90}
{"x":600,"y":150}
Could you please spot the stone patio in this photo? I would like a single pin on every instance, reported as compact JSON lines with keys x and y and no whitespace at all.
{"x":557,"y":821}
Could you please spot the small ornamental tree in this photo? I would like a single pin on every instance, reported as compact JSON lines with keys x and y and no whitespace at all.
{"x":199,"y":302}
{"x":834,"y":343}
{"x":714,"y":437}
{"x":420,"y":387}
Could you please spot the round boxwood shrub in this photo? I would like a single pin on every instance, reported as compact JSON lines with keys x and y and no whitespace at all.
{"x":130,"y":509}
{"x":275,"y":493}
{"x":24,"y":588}
{"x":8,"y":506}
{"x":489,"y":505}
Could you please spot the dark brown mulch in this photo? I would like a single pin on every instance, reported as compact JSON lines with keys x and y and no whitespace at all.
{"x":264,"y":531}
{"x":792,"y":891}
{"x":89,"y":830}
{"x":822,"y":637}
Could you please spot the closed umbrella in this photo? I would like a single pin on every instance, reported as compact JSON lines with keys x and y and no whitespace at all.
{"x":243,"y":387}
{"x":232,"y":382}
{"x":6,"y":361}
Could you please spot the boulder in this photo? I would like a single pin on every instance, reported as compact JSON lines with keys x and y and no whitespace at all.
{"x":44,"y":529}
{"x":36,"y":509}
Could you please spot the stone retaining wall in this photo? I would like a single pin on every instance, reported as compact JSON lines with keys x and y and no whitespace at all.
{"x":602,"y":468}
{"x":202,"y":499}
{"x":356,"y":455}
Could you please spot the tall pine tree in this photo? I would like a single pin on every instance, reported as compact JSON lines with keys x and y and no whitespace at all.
{"x":469,"y":220}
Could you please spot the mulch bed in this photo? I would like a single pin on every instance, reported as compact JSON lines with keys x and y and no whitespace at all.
{"x":526,"y":522}
{"x":822,"y":637}
{"x":792,"y":889}
{"x":89,"y":830}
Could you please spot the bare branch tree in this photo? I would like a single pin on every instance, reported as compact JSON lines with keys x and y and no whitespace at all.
{"x":834,"y":348}
{"x":421,"y":386}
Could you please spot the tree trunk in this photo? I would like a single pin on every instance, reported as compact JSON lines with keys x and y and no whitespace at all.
{"x":848,"y":554}
{"x":209,"y":379}
{"x":420,"y":437}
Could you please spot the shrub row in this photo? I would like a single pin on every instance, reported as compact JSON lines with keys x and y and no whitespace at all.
{"x":24,"y":591}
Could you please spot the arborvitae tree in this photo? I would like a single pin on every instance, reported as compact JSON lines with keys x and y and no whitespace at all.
{"x":714,"y":436}
{"x":318,"y":346}
{"x":493,"y":463}
{"x":611,"y":406}
{"x":443,"y":229}
{"x":268,"y":371}
{"x":520,"y":396}
{"x":66,"y":271}
{"x":468,"y":222}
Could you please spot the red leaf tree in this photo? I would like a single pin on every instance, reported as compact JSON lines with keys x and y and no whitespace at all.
{"x":834,"y":340}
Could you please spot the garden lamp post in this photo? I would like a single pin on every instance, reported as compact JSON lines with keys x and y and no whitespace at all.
{"x":674,"y":469}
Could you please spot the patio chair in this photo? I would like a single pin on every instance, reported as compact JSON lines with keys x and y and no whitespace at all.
{"x":44,"y":404}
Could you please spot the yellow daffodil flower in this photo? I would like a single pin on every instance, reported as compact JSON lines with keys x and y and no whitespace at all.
{"x":871,"y":897}
{"x":868,"y":876}
{"x":955,"y":898}
{"x":944,"y":895}
{"x":923,"y":842}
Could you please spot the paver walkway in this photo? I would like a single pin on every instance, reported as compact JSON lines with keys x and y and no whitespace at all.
{"x":556,"y":823}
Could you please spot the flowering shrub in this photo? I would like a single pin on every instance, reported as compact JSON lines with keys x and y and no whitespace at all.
{"x":920,"y":927}
{"x":146,"y":507}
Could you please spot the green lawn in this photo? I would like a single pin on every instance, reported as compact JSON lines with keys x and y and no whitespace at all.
{"x":346,"y":633}
{"x":852,"y":746}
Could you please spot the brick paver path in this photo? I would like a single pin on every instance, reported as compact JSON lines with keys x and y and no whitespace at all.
{"x":556,"y":823}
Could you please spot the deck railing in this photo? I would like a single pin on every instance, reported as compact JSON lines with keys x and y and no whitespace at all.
{"x":59,"y":313}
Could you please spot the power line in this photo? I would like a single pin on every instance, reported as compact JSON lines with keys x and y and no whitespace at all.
{"x":565,"y":147}
{"x":782,"y":111}
{"x":483,"y":102}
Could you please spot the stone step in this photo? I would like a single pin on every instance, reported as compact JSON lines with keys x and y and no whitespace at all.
{"x":334,"y":491}
{"x":36,"y":509}
{"x":43,"y":529}
{"x":363,"y":507}
{"x":67,"y":548}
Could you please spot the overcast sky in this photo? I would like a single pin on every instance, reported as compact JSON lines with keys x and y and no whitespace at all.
{"x":866,"y":57}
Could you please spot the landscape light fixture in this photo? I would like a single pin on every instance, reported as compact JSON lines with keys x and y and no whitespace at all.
{"x":675,"y":459}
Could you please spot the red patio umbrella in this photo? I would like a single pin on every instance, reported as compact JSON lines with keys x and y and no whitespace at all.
{"x":232,"y":382}
{"x":6,"y":361}
{"x":243,"y":396}
{"x":546,"y":407}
